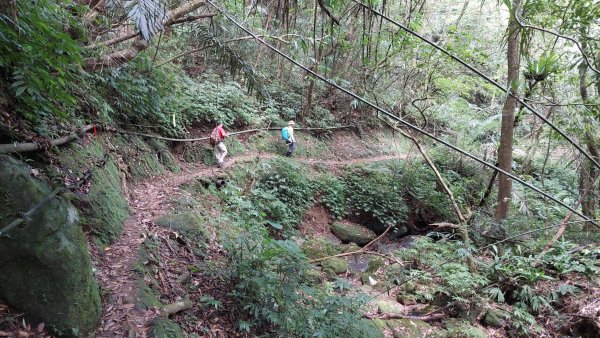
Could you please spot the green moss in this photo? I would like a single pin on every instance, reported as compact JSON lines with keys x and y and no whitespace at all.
{"x":142,"y":161}
{"x":319,"y":247}
{"x":312,"y":276}
{"x":375,"y":263}
{"x":105,"y":207}
{"x":45,"y":264}
{"x":336,"y":264}
{"x":146,"y":297}
{"x":494,"y":317}
{"x":164,"y":155}
{"x":388,"y":306}
{"x":165,"y":328}
{"x":188,"y":224}
{"x":407,"y":328}
{"x":463,"y":329}
{"x":350,"y":232}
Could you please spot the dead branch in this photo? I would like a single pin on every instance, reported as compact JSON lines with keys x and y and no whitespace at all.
{"x":122,"y":56}
{"x":31,"y":146}
{"x":363,"y":250}
{"x":386,"y":316}
{"x":95,"y":11}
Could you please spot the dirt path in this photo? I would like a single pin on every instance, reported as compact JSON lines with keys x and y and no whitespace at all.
{"x":148,"y":201}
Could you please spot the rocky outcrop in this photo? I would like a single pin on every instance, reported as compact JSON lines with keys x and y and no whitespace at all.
{"x":351,"y":232}
{"x":45,"y":264}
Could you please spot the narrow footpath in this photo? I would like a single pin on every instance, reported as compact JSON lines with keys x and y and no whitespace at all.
{"x":149,"y":200}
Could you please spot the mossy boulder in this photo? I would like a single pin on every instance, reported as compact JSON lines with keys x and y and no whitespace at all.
{"x":463,"y":329}
{"x":165,"y":328}
{"x":319,"y":247}
{"x":409,"y":328}
{"x":104,"y":207}
{"x":351,"y":232}
{"x":388,"y":306}
{"x":45,"y":264}
{"x":406,"y":299}
{"x":336,"y":264}
{"x":494,"y":317}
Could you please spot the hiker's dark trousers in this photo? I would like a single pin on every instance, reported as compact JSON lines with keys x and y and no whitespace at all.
{"x":291,"y":148}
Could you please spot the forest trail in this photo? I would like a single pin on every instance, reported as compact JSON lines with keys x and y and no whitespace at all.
{"x":149,"y":200}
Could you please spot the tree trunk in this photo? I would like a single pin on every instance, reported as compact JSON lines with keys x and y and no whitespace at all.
{"x":587,"y":173}
{"x":508,"y":115}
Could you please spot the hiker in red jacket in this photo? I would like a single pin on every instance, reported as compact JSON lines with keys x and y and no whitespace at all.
{"x":216,"y":139}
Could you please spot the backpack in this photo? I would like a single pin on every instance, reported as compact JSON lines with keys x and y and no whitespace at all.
{"x":214,"y":137}
{"x":285,"y":135}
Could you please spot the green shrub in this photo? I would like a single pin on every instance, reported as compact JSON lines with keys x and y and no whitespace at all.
{"x":429,"y":202}
{"x":39,"y":60}
{"x":284,"y":189}
{"x":332,"y":194}
{"x":376,"y":195}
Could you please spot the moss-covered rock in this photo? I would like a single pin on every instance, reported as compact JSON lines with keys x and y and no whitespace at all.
{"x":408,"y":328}
{"x":142,"y":161}
{"x":388,"y":306}
{"x":375,"y":263}
{"x":336,"y":264}
{"x":45,"y":264}
{"x":165,"y":157}
{"x":165,"y":328}
{"x":105,"y":207}
{"x":319,"y":247}
{"x":351,"y":232}
{"x":364,"y":278}
{"x":406,"y":299}
{"x":494,"y":317}
{"x":463,"y":329}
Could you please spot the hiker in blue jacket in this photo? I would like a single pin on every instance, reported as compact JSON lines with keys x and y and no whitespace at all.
{"x":287,"y":133}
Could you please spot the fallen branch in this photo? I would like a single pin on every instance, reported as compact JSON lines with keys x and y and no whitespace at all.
{"x":385,"y":316}
{"x":170,"y":309}
{"x":32,"y":146}
{"x":363,"y":250}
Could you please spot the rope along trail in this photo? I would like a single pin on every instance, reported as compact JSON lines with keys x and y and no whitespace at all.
{"x":150,"y":200}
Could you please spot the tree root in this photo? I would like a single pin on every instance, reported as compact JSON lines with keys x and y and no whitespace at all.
{"x":170,"y":309}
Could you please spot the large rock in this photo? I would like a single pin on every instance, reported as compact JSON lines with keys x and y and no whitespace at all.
{"x":336,"y":264}
{"x":351,"y":232}
{"x":45,"y":264}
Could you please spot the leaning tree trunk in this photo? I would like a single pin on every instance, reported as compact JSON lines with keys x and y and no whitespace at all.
{"x":508,"y":116}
